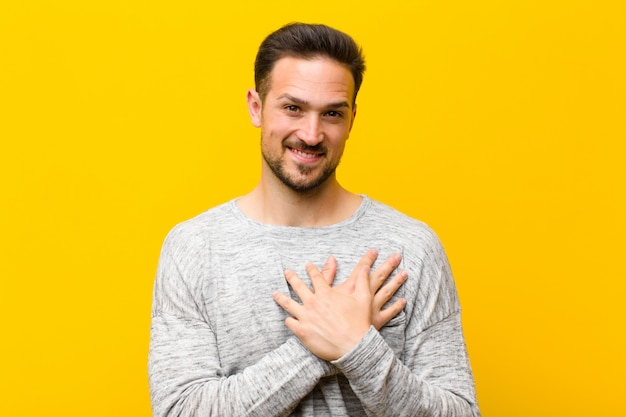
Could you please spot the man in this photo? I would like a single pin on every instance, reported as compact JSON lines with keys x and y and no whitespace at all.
{"x":244,"y":321}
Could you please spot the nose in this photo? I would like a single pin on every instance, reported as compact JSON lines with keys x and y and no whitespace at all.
{"x":310,"y":131}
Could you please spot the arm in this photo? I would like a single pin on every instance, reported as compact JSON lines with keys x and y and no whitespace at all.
{"x":186,"y":378}
{"x":433,"y":378}
{"x":185,"y":374}
{"x":438,"y":384}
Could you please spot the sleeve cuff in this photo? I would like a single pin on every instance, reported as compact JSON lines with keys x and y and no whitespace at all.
{"x":371,"y":352}
{"x":323,"y":367}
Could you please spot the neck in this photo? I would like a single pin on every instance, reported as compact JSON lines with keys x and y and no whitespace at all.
{"x":278,"y":204}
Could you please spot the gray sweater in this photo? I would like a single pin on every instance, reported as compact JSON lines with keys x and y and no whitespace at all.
{"x":219,"y":346}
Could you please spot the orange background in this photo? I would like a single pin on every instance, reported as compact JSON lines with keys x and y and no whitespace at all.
{"x":501,"y":124}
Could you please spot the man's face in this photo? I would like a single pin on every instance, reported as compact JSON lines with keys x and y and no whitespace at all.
{"x":305,"y":120}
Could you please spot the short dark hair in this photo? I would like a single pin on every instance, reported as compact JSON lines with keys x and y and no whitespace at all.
{"x":301,"y":40}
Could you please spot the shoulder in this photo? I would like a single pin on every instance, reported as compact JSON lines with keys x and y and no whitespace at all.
{"x":430,"y":288}
{"x":422,"y":251}
{"x":194,"y":232}
{"x":401,"y":225}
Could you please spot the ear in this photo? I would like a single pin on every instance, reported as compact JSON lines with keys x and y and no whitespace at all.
{"x":255,"y":107}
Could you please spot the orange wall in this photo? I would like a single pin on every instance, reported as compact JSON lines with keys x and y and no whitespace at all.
{"x":501,"y":124}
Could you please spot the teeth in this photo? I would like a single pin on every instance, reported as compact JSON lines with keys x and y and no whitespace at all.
{"x":304,"y":154}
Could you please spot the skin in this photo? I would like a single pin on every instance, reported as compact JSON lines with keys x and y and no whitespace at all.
{"x":305,"y":121}
{"x":332,"y":320}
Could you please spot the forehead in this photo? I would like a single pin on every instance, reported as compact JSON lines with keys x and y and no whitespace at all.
{"x":319,"y":77}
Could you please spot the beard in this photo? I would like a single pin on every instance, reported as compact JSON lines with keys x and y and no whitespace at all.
{"x":301,"y":182}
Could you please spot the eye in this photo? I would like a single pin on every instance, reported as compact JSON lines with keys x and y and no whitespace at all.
{"x":292,"y":108}
{"x":334,"y":114}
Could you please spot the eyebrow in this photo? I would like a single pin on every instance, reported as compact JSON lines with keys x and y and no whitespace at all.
{"x":336,"y":105}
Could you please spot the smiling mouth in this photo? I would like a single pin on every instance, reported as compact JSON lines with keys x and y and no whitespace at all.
{"x":305,"y":154}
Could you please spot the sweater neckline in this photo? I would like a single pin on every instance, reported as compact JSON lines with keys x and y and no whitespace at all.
{"x":240,"y":216}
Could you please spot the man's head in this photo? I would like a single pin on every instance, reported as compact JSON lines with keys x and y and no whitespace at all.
{"x":307,"y":41}
{"x":307,"y":77}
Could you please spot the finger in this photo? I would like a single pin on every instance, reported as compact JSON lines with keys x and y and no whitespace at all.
{"x":299,"y":286}
{"x":329,"y":270}
{"x":385,"y":293}
{"x":363,"y":294}
{"x":387,"y":314}
{"x":367,"y":260}
{"x":362,"y":286}
{"x":382,"y":272}
{"x":297,"y":328}
{"x":317,"y":278}
{"x":287,"y":304}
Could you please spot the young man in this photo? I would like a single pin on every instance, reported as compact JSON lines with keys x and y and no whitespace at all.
{"x":244,"y":322}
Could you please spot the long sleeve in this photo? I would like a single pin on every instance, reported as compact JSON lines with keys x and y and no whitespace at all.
{"x":186,"y":375}
{"x":219,"y":345}
{"x":186,"y":380}
{"x":440,"y":385}
{"x":427,"y":373}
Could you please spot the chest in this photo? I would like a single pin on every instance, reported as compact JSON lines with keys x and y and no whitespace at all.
{"x":240,"y":279}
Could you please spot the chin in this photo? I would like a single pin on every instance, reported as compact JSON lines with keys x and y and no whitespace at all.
{"x":308,"y":185}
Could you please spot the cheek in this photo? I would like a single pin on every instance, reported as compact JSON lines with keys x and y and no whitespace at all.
{"x":336,"y":148}
{"x":276,"y":126}
{"x":338,"y":134}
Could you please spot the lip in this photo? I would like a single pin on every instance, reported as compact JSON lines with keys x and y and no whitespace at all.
{"x":305,"y":156}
